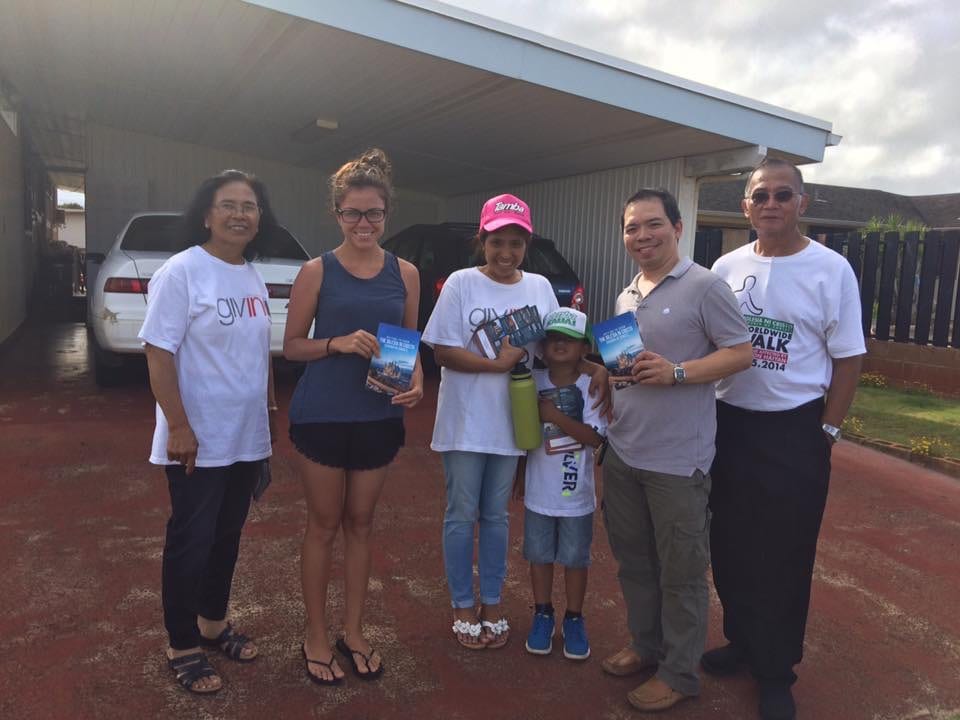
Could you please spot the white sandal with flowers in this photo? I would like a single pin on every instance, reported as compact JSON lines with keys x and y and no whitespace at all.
{"x":462,"y":629}
{"x":499,"y":632}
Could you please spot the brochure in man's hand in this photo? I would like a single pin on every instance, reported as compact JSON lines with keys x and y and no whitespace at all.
{"x":392,"y":372}
{"x":522,"y":326}
{"x":569,"y":400}
{"x":618,"y":340}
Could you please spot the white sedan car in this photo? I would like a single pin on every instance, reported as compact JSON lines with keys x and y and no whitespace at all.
{"x":117,"y":295}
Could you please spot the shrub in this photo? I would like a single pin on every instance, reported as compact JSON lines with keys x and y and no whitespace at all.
{"x":853,"y":425}
{"x":928,"y":446}
{"x":873,"y":380}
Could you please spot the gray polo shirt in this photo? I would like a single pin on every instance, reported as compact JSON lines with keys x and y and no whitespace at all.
{"x":664,"y":428}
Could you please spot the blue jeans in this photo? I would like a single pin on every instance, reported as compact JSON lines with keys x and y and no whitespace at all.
{"x":478,"y":488}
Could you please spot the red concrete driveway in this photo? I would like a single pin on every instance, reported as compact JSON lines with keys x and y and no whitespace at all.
{"x":82,"y":518}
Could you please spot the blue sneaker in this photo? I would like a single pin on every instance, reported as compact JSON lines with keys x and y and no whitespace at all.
{"x":540,"y":639}
{"x":575,"y":643}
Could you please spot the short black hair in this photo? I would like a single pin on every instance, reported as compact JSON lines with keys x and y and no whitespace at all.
{"x":774,"y":163}
{"x":669,"y":202}
{"x":193,"y":230}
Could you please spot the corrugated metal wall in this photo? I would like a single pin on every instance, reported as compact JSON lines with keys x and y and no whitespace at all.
{"x":131,"y":172}
{"x":581,"y":214}
{"x":17,"y":252}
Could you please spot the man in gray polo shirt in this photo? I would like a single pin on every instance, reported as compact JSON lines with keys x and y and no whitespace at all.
{"x":656,"y":480}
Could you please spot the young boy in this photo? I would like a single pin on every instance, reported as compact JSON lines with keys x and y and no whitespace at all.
{"x":559,"y":493}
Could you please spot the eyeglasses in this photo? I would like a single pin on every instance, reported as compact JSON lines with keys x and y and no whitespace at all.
{"x":228,"y":207}
{"x":373,"y":215}
{"x":760,"y":197}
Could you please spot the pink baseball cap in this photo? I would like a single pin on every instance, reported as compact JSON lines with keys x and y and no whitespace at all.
{"x":505,"y":210}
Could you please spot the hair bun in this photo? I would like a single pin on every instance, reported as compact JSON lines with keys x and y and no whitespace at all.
{"x":377,"y":158}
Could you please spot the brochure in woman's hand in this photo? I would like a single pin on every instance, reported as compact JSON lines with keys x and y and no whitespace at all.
{"x":619,"y":342}
{"x":523,"y":326}
{"x":392,"y":372}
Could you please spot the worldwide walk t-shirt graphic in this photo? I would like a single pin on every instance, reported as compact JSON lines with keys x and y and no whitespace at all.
{"x":770,"y":337}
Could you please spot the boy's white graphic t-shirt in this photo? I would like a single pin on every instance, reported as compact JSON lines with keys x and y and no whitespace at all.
{"x":562,"y":485}
{"x":473,"y":409}
{"x":802,"y":311}
{"x":213,"y":317}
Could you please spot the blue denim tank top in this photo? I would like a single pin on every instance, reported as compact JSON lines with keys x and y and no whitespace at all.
{"x":332,"y":389}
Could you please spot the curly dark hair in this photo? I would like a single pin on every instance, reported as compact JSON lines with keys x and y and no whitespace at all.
{"x":194,"y":232}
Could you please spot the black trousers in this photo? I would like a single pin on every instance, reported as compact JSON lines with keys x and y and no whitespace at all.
{"x":208,"y":509}
{"x":770,"y":481}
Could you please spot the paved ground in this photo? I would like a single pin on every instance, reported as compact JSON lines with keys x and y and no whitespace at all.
{"x":82,"y":518}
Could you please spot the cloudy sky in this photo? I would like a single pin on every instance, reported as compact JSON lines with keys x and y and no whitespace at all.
{"x":884,"y":72}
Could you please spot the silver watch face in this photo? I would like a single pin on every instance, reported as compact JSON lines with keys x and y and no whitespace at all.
{"x":679,"y":374}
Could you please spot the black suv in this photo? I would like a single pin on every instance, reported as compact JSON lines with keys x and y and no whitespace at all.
{"x":438,"y":250}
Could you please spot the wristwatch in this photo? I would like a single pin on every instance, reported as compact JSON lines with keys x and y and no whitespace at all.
{"x":832,"y":432}
{"x":679,"y":374}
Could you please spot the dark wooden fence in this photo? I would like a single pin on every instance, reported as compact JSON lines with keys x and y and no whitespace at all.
{"x":908,"y":282}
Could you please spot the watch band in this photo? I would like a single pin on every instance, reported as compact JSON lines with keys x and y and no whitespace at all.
{"x":679,"y":374}
{"x":832,"y":431}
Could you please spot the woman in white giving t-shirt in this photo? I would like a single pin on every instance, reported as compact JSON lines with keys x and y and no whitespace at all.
{"x":207,"y":340}
{"x":473,"y":429}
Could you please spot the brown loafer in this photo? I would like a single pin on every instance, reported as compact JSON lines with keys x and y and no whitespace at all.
{"x":626,"y":662}
{"x":655,"y":695}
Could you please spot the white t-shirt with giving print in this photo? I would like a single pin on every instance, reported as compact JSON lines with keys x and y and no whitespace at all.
{"x":802,"y":311}
{"x":473,"y":409}
{"x":213,"y":317}
{"x":562,"y":485}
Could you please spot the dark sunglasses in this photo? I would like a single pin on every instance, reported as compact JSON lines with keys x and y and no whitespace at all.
{"x":760,"y":197}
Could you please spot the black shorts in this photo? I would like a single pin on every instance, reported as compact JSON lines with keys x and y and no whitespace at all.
{"x":350,"y":445}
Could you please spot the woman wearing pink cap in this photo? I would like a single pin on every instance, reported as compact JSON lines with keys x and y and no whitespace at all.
{"x":473,"y":430}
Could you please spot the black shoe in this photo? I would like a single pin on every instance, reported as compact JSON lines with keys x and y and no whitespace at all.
{"x":726,"y":660}
{"x":776,"y":702}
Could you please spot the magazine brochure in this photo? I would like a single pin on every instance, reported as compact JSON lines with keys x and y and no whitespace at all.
{"x":392,"y":372}
{"x":569,"y":400}
{"x":618,"y":340}
{"x":523,"y":326}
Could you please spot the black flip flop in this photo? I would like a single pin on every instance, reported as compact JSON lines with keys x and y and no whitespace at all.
{"x":328,"y":665}
{"x":348,"y":653}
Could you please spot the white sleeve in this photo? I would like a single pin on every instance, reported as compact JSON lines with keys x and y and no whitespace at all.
{"x":591,"y":415}
{"x":547,"y":301}
{"x":843,"y":329}
{"x":168,"y":309}
{"x":445,"y":326}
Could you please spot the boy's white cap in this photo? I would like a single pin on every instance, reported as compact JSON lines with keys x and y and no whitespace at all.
{"x":569,"y":322}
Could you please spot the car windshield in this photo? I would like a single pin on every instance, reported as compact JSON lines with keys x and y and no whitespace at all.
{"x":545,"y":260}
{"x":281,"y":244}
{"x":152,"y":233}
{"x":161,"y":233}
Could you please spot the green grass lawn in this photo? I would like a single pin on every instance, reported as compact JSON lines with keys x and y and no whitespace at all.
{"x":903,"y":416}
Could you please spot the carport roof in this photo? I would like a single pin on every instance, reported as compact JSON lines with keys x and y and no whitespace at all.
{"x":461,"y":102}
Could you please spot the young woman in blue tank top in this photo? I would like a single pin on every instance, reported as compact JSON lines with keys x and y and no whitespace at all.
{"x":346,"y":434}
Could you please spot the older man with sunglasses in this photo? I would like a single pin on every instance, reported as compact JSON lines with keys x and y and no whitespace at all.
{"x":776,"y":425}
